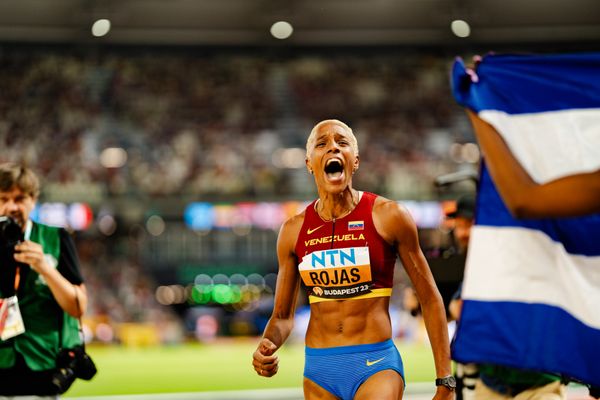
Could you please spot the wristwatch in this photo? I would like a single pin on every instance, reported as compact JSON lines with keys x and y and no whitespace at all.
{"x":447,"y":381}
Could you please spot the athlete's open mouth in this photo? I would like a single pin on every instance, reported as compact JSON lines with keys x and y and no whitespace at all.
{"x":334,"y":169}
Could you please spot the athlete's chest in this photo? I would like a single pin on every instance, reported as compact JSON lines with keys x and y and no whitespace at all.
{"x":334,"y":258}
{"x":322,"y":235}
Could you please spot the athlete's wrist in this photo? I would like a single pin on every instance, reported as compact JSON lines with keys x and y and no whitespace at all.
{"x":448,"y":382}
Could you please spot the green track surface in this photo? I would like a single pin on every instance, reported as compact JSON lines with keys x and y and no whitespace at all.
{"x":222,"y":365}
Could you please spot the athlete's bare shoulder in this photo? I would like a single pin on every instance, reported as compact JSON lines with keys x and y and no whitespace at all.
{"x":391,"y":219}
{"x":288,"y":234}
{"x":295,"y":222}
{"x":390,"y":209}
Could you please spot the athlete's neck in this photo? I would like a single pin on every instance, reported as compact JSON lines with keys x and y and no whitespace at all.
{"x":332,"y":206}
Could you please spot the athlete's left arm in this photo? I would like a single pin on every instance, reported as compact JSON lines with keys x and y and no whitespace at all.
{"x":395,"y":225}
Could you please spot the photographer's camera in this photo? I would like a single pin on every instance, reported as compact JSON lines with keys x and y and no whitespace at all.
{"x":10,"y":232}
{"x":70,"y":364}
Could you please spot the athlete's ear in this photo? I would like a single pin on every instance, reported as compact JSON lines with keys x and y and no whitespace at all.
{"x":307,"y":161}
{"x":356,"y":164}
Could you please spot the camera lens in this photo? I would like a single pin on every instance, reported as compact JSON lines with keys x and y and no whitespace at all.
{"x":62,"y":379}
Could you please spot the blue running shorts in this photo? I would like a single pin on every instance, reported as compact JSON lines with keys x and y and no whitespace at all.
{"x":341,"y":370}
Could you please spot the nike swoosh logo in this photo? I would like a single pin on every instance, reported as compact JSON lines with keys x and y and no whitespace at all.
{"x":309,"y":231}
{"x":369,"y":363}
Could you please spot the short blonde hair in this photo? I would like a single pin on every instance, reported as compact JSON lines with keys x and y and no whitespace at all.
{"x":313,"y":134}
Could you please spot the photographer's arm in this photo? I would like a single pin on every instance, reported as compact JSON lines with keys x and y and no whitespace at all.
{"x":67,"y":294}
{"x":573,"y":195}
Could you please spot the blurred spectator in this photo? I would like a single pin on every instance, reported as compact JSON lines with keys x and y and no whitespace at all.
{"x":207,"y":127}
{"x":197,"y":125}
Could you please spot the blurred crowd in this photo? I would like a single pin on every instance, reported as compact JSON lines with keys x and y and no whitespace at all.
{"x":215,"y":126}
{"x":209,"y":124}
{"x":121,"y":295}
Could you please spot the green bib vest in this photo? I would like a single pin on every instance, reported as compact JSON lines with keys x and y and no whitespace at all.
{"x":47,"y":327}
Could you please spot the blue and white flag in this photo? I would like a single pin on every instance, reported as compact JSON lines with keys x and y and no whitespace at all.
{"x":532,"y":286}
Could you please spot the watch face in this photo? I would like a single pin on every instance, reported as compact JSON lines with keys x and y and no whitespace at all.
{"x":448,"y":381}
{"x":451,"y":381}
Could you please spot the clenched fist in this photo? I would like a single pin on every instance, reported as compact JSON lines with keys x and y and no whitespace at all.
{"x":264,"y":362}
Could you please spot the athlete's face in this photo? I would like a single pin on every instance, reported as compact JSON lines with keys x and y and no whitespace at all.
{"x":16,"y":204}
{"x":332,"y":158}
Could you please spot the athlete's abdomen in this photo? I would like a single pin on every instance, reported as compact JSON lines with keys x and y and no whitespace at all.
{"x":349,"y":322}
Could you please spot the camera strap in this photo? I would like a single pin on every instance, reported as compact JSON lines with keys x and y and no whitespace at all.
{"x":26,"y":236}
{"x":17,"y":278}
{"x":80,"y":324}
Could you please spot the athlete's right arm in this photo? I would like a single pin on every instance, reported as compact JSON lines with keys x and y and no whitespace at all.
{"x":281,"y":323}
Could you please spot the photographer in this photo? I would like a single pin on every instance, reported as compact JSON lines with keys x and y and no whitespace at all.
{"x":463,"y":219}
{"x":39,"y":271}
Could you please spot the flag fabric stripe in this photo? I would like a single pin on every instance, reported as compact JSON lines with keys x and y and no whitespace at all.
{"x":530,"y":84}
{"x":578,"y":235}
{"x":532,"y":286}
{"x":506,"y":339}
{"x":507,"y":252}
{"x":571,"y":140}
